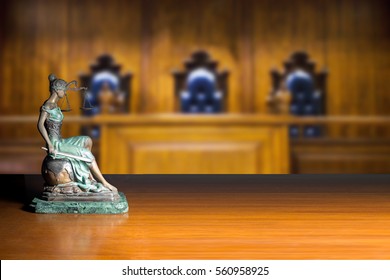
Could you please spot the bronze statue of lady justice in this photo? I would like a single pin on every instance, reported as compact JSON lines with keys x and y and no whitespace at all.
{"x":70,"y":170}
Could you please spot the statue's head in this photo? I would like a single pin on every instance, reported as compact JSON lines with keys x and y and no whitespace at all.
{"x":60,"y":86}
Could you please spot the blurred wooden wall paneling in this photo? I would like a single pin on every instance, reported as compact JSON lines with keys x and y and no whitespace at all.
{"x":151,"y":38}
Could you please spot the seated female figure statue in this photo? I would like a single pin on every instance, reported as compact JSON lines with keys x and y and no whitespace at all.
{"x":75,"y":167}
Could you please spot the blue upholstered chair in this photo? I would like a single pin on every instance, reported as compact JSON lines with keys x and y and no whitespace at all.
{"x":306,"y":89}
{"x":201,"y":95}
{"x":97,"y":83}
{"x":200,"y":88}
{"x":305,"y":101}
{"x":105,"y":79}
{"x":92,"y":96}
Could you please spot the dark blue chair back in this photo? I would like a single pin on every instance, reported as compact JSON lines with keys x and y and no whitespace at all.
{"x":96,"y":85}
{"x":201,"y":94}
{"x":92,"y":97}
{"x":305,"y":101}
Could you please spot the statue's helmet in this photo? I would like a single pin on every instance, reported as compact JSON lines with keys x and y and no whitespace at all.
{"x":59,"y":84}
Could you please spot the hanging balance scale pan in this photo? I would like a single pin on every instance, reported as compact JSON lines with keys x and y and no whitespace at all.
{"x":84,"y":108}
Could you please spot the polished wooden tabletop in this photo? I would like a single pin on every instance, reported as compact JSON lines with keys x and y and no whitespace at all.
{"x":208,"y":217}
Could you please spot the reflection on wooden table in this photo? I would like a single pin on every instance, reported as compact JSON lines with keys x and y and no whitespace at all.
{"x":213,"y":217}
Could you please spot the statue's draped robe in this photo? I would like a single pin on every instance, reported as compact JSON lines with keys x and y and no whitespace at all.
{"x":74,"y":146}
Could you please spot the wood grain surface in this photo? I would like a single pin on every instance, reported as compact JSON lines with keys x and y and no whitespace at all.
{"x":209,"y":217}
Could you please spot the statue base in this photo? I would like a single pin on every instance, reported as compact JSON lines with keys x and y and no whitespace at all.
{"x":81,"y":207}
{"x":79,"y":196}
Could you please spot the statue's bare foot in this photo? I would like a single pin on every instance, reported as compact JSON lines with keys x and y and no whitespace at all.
{"x":110,"y":187}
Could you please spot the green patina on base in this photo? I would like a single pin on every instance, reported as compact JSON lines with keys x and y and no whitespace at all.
{"x":81,"y":207}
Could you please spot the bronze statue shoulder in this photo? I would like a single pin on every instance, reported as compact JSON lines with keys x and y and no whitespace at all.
{"x":49,"y":105}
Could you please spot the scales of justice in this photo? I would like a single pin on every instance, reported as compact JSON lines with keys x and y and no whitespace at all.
{"x":73,"y":180}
